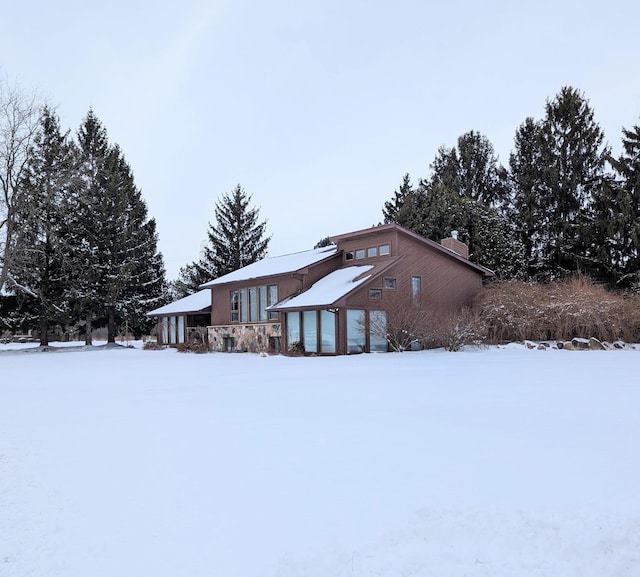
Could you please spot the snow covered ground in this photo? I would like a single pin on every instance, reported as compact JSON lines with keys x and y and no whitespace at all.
{"x":497,"y":462}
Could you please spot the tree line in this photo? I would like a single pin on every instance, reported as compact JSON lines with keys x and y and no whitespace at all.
{"x":563,"y":206}
{"x":77,"y":247}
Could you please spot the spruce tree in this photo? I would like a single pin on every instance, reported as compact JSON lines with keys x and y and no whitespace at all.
{"x":40,"y":265}
{"x":400,"y":196}
{"x":118,"y":274}
{"x":236,"y":238}
{"x":573,"y":159}
{"x":526,"y":177}
{"x":622,"y":211}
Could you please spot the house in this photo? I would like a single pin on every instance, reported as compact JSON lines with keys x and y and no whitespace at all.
{"x":327,"y":300}
{"x":179,"y":320}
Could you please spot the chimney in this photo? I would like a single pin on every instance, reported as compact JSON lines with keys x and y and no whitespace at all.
{"x":453,"y":244}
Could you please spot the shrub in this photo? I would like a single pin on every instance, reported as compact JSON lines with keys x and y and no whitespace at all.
{"x":516,"y":311}
{"x":152,"y":346}
{"x":296,"y":349}
{"x":192,"y":347}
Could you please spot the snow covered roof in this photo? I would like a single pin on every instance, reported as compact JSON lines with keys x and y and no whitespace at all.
{"x":276,"y":265}
{"x":192,"y":303}
{"x":328,"y":289}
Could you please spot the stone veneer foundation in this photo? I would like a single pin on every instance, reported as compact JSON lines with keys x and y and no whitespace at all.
{"x":256,"y":338}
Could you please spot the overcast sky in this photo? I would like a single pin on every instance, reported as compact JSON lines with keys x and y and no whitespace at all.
{"x":316,"y":108}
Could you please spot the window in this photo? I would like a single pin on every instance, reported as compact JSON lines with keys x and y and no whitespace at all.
{"x":244,"y":306}
{"x":272,"y":300}
{"x":384,"y":250}
{"x":327,"y":332}
{"x":372,"y":251}
{"x":293,"y":328}
{"x":360,"y":253}
{"x":310,"y":331}
{"x":235,"y":306}
{"x":262,"y":292}
{"x":390,"y":283}
{"x":375,"y":294}
{"x":355,"y":331}
{"x":416,"y":281}
{"x":377,"y":332}
{"x":250,"y":304}
{"x":348,"y":255}
{"x":181,"y":329}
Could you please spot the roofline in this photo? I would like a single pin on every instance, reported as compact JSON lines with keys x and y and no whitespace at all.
{"x":427,"y":241}
{"x":209,"y":285}
{"x":175,"y":314}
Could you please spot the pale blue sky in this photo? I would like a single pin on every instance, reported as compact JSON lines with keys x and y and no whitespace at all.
{"x":316,"y":108}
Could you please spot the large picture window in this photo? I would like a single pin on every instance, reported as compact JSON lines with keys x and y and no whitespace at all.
{"x":355,"y":331}
{"x":249,"y":305}
{"x":310,"y":331}
{"x":327,"y":332}
{"x":377,"y":331}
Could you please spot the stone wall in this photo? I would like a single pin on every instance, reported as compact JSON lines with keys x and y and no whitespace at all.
{"x":256,"y":338}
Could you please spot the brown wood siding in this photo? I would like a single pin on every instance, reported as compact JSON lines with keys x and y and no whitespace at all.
{"x":288,"y":285}
{"x":445,"y":282}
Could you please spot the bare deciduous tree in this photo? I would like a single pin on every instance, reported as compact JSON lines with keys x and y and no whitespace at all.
{"x":19,"y":121}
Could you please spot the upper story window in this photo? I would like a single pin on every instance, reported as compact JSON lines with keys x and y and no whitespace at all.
{"x":369,"y":252}
{"x":416,"y":286}
{"x":389,"y":283}
{"x":375,"y":294}
{"x":249,"y":305}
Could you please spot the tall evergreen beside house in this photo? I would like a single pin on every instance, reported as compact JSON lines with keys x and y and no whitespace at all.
{"x":118,"y":273}
{"x":235,"y":239}
{"x":40,"y":266}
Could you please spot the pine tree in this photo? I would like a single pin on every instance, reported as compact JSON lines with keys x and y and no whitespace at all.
{"x":88,"y":225}
{"x":236,"y":239}
{"x":526,"y":176}
{"x":573,"y":160}
{"x":621,"y":210}
{"x":472,"y":170}
{"x":39,"y":267}
{"x":118,"y":274}
{"x":393,"y":206}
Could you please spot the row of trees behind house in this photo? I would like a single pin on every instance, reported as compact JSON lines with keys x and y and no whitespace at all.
{"x":564,"y":205}
{"x":77,"y":246}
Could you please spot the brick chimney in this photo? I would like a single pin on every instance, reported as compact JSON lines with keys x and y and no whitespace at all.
{"x":452,"y":243}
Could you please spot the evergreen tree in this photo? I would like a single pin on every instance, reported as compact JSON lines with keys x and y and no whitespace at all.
{"x":572,"y":158}
{"x":526,"y":177}
{"x":190,"y":277}
{"x":89,"y":226}
{"x":236,"y":239}
{"x":393,"y":206}
{"x":39,"y":269}
{"x":472,"y":170}
{"x":621,"y":209}
{"x":118,"y":274}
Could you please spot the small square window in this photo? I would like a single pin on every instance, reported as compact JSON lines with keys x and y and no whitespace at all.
{"x":373,"y":251}
{"x":375,"y":294}
{"x":348,"y":255}
{"x":360,"y":253}
{"x":384,"y":250}
{"x":390,"y":283}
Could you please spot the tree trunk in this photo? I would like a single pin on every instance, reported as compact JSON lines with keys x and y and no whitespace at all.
{"x":111,"y":328}
{"x":88,"y":331}
{"x":44,"y":329}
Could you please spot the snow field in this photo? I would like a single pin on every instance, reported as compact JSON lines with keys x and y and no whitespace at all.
{"x":486,"y":462}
